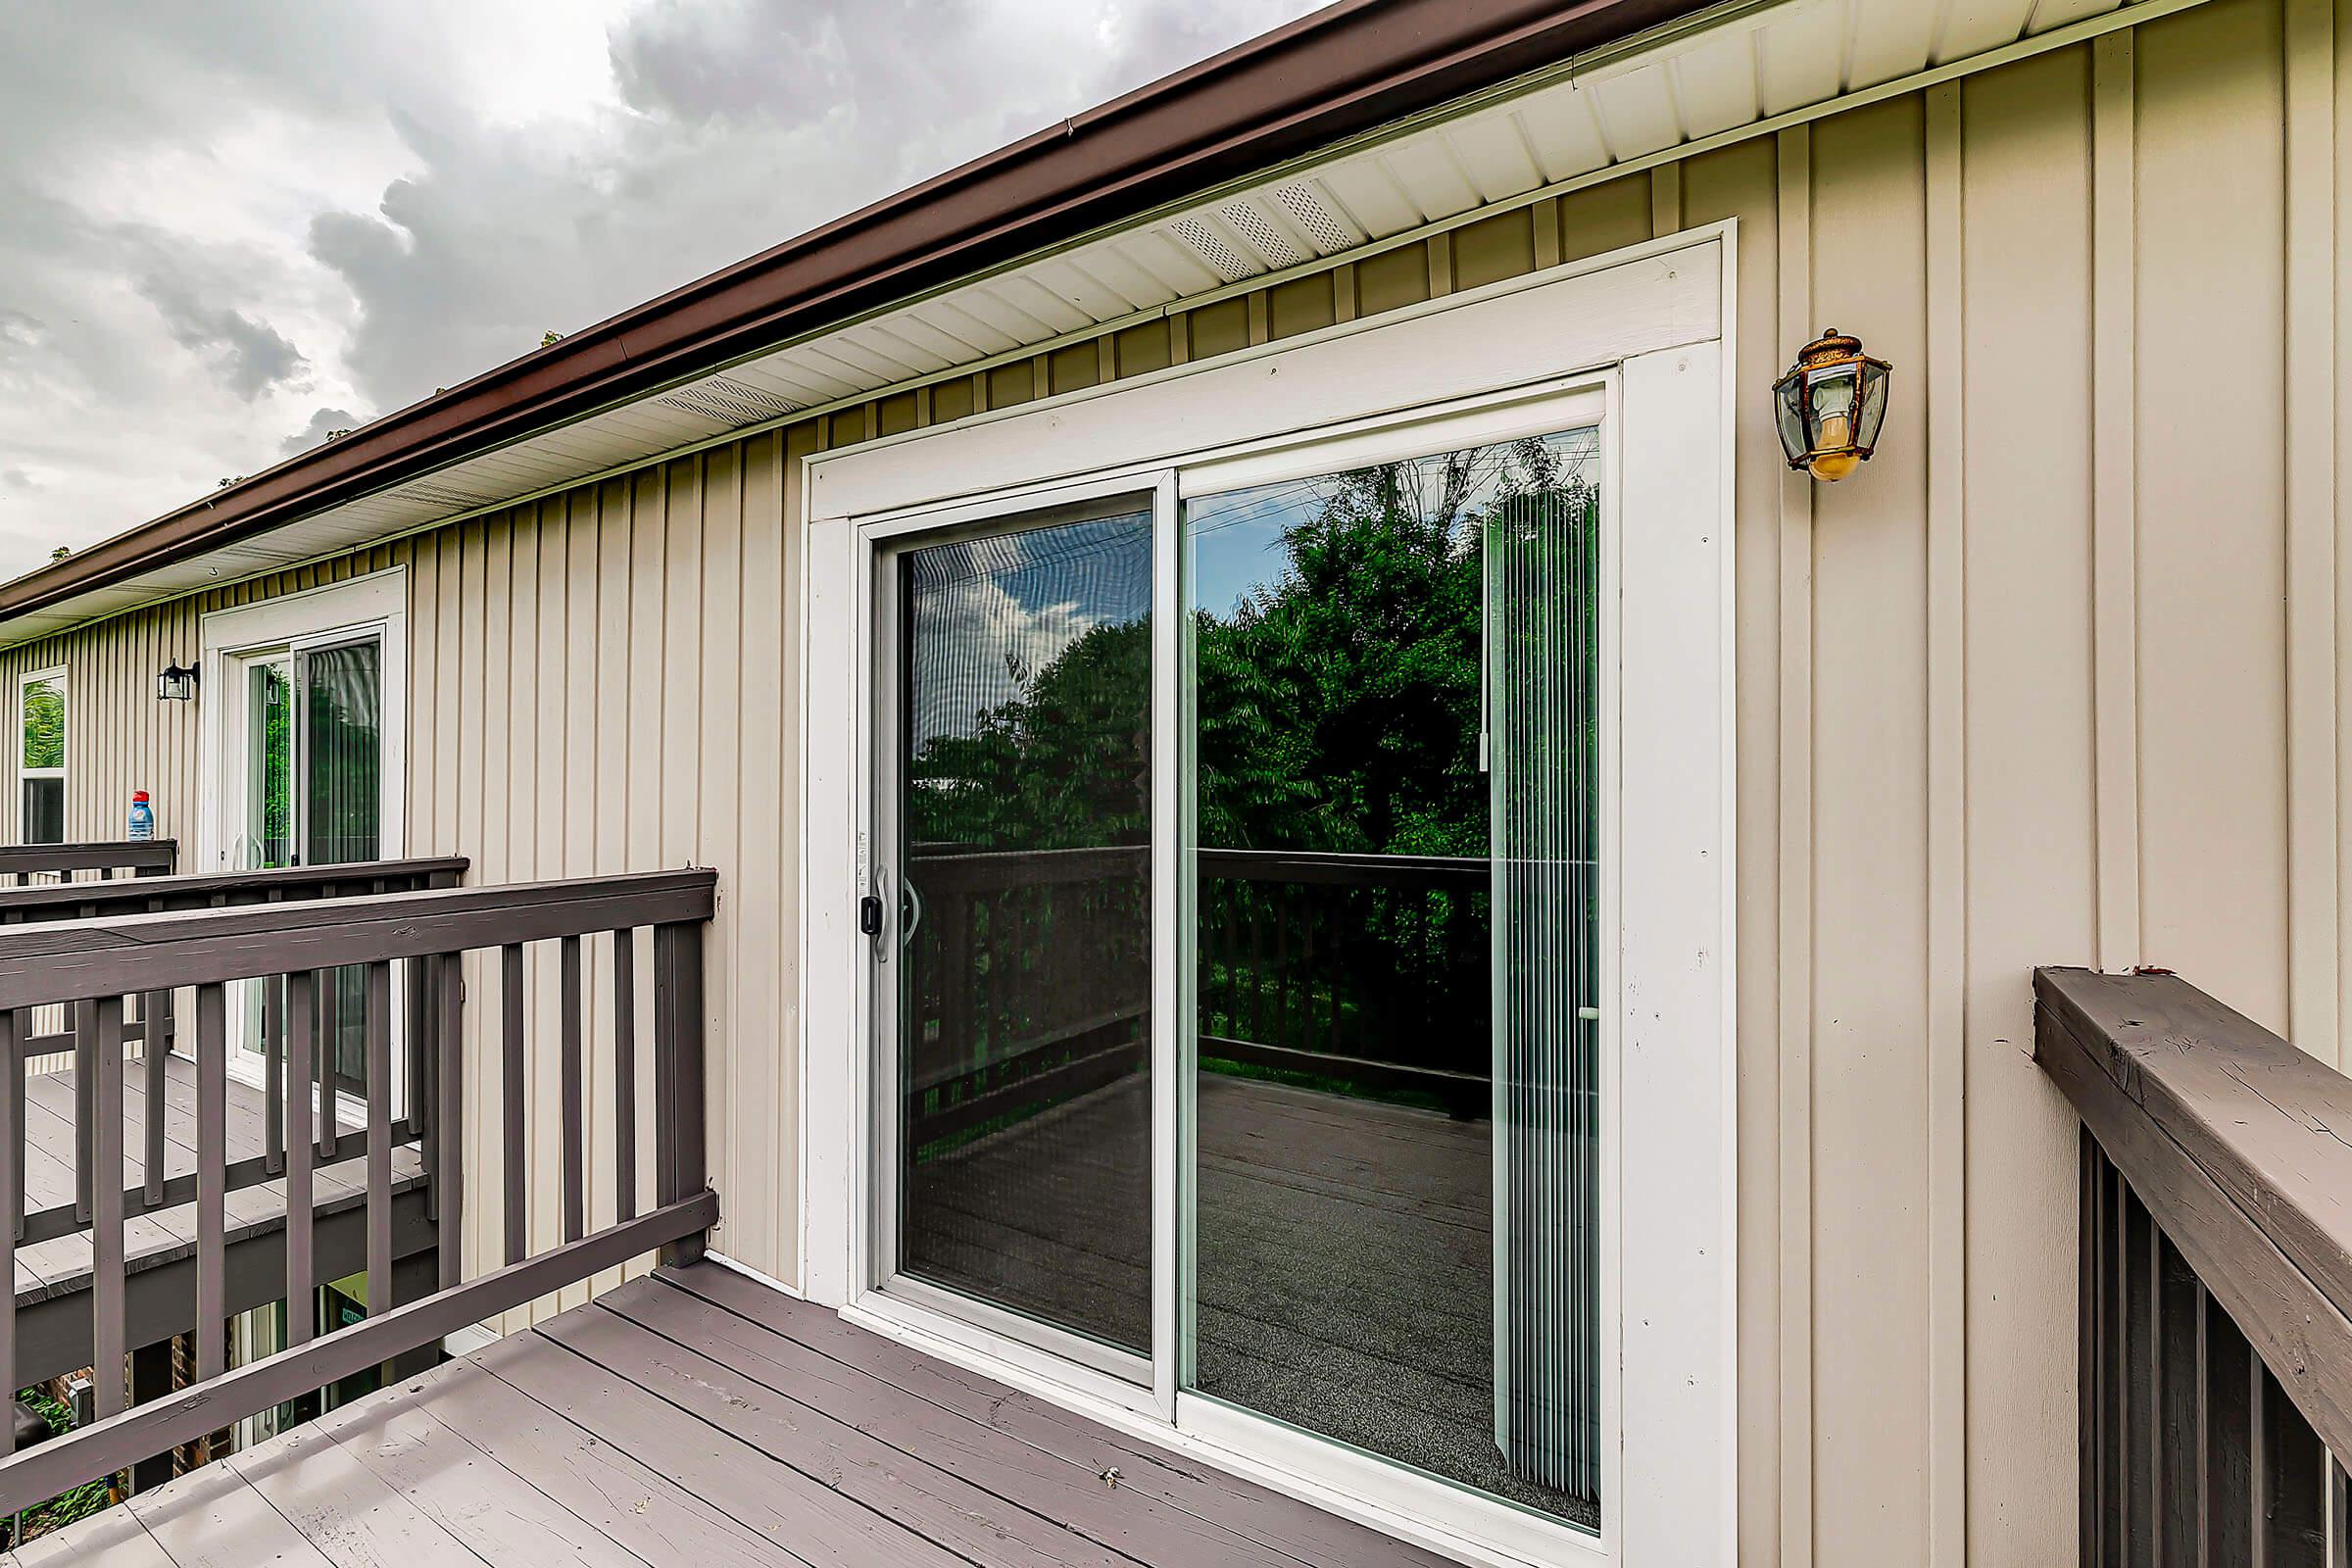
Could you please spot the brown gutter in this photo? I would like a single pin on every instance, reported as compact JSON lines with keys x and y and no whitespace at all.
{"x":1340,"y":70}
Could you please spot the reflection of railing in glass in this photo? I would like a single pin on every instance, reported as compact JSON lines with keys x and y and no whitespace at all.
{"x":1029,"y":981}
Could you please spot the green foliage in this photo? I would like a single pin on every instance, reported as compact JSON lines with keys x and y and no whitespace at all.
{"x":44,"y":725}
{"x":1065,"y":764}
{"x":67,"y":1506}
{"x":1338,"y":705}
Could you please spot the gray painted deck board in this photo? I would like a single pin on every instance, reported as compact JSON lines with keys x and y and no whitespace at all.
{"x":731,"y":1472}
{"x":350,"y":1512}
{"x":457,"y":1486}
{"x":1241,"y":1507}
{"x":214,"y":1519}
{"x":696,"y":1417}
{"x":113,"y":1537}
{"x":641,"y":1508}
{"x":939,"y":1504}
{"x":1137,"y":1525}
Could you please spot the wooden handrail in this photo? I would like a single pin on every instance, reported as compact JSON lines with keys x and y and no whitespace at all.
{"x":2216,"y":1171}
{"x":139,"y":857}
{"x":54,"y":901}
{"x":338,"y":957}
{"x":178,"y":948}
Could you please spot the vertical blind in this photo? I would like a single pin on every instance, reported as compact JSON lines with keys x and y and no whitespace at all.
{"x":1542,"y":593}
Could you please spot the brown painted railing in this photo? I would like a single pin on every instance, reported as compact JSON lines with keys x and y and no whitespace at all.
{"x":22,"y":864}
{"x":46,"y":1033}
{"x":2215,"y":1269}
{"x":95,"y":965}
{"x":154,"y":891}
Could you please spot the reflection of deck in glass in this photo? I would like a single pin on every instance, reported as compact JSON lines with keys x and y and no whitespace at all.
{"x":1345,"y":1267}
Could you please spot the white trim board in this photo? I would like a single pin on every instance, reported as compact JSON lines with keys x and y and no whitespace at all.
{"x":1649,"y":326}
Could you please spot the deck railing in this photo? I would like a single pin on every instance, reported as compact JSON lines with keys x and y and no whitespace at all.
{"x":2215,"y":1274}
{"x":50,"y":1038}
{"x":93,"y":967}
{"x":24,"y":864}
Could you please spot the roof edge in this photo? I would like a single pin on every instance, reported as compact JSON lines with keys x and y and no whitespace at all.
{"x":1332,"y":73}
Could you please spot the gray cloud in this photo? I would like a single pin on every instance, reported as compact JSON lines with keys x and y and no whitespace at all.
{"x":249,"y":355}
{"x":324,"y":423}
{"x":222,"y":225}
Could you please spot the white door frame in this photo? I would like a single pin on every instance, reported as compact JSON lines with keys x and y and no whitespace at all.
{"x":1649,"y":328}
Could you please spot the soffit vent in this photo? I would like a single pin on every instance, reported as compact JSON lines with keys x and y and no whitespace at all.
{"x":1270,"y":241}
{"x":727,"y":401}
{"x":1222,"y":259}
{"x":1313,"y":218}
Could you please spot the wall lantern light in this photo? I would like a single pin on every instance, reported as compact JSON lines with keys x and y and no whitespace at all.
{"x":174,"y":684}
{"x":1830,"y":406}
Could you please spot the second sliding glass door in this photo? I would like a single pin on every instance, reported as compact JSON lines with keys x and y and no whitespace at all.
{"x":305,"y":758}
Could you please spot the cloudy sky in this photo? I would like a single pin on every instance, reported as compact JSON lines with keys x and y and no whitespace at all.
{"x":227,"y":228}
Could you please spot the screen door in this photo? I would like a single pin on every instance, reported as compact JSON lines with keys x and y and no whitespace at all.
{"x":1015,"y":960}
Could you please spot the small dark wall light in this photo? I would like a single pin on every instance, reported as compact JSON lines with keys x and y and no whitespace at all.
{"x":175,"y":684}
{"x":1830,"y":406}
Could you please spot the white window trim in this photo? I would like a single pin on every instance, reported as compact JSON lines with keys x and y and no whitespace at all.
{"x":1634,"y":319}
{"x":379,"y":600}
{"x":32,"y":677}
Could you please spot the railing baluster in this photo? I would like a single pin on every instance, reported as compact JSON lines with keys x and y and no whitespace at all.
{"x":2230,"y":1368}
{"x":378,"y":1023}
{"x":2090,"y":1355}
{"x":2331,"y":1478}
{"x":211,"y":1177}
{"x":22,"y":1030}
{"x":576,"y":1141}
{"x":86,"y":1067}
{"x":2177,"y":1295}
{"x":153,"y":1046}
{"x":12,"y":1204}
{"x":106,"y":1206}
{"x":274,"y":1086}
{"x":449,"y":1175}
{"x":510,"y":1106}
{"x":679,"y":1153}
{"x":624,"y":1073}
{"x":302,"y":1050}
{"x":416,"y":1056}
{"x":326,"y":1018}
{"x":2139,"y":1368}
{"x":2290,"y":1510}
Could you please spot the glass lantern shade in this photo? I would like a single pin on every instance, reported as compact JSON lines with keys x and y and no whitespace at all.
{"x":175,"y":684}
{"x":1830,"y":406}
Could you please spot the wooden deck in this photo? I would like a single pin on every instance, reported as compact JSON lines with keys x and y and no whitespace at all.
{"x":47,"y":1272}
{"x":698,"y":1417}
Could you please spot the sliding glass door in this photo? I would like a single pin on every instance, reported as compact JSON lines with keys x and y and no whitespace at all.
{"x":1379,"y":715}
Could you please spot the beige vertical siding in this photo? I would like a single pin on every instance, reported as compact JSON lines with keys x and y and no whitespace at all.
{"x":2026,"y":690}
